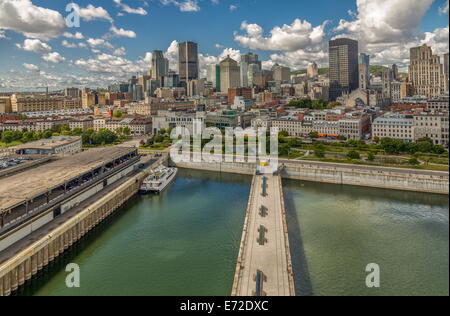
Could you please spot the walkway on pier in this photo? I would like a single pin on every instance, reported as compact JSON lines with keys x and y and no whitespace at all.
{"x":264,"y":265}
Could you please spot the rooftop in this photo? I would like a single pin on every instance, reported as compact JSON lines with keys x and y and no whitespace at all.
{"x":50,"y":143}
{"x":34,"y":182}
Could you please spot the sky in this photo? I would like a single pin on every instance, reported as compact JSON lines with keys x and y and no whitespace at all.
{"x":115,"y":38}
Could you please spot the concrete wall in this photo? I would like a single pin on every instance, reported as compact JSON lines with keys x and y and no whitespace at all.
{"x":386,"y":178}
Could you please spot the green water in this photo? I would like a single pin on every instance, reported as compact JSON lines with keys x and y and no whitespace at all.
{"x":185,"y":242}
{"x":336,"y":231}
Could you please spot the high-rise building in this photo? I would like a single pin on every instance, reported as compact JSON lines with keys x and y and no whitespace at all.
{"x":196,"y":88}
{"x":251,"y":59}
{"x":253,"y":70}
{"x":244,"y":74}
{"x":312,"y":71}
{"x":143,"y":81}
{"x":426,"y":72}
{"x":72,"y":92}
{"x":364,"y":70}
{"x":213,"y":75}
{"x":282,"y":74}
{"x":250,"y":63}
{"x":395,"y":72}
{"x":188,"y":61}
{"x":230,"y":75}
{"x":387,"y":77}
{"x":160,"y":65}
{"x":446,"y":77}
{"x":364,"y":81}
{"x":171,"y":80}
{"x":343,"y":67}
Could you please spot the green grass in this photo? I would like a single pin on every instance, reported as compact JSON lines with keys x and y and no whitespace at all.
{"x":5,"y":145}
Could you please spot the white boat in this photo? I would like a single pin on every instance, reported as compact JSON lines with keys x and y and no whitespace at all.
{"x":158,"y":180}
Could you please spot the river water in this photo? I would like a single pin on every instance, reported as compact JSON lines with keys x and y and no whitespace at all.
{"x":185,"y":241}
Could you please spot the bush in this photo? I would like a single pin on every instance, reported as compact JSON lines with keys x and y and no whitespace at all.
{"x":353,"y":155}
{"x":371,"y":156}
{"x":414,"y":162}
{"x":319,"y":153}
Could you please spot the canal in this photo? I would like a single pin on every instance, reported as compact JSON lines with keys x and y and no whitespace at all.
{"x":185,"y":241}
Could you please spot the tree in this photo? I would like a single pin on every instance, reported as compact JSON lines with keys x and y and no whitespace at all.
{"x":371,"y":156}
{"x":159,"y":138}
{"x":414,"y":162}
{"x":332,"y":105}
{"x":438,"y":150}
{"x":47,"y":134}
{"x":353,"y":155}
{"x":319,"y":151}
{"x":126,"y":131}
{"x":7,"y":137}
{"x":314,"y":135}
{"x":284,"y":134}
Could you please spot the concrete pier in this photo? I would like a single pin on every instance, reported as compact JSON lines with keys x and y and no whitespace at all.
{"x":26,"y":258}
{"x":264,"y":265}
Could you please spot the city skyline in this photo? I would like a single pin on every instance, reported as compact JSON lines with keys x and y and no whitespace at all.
{"x":116,"y":37}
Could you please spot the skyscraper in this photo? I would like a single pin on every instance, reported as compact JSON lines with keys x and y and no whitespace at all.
{"x":395,"y":71}
{"x":247,"y":62}
{"x":343,"y":67}
{"x":426,"y":72}
{"x":188,"y":61}
{"x":312,"y":70}
{"x":213,"y":75}
{"x":446,"y":77}
{"x":282,"y":74}
{"x":251,"y":59}
{"x":364,"y":66}
{"x":387,"y":77}
{"x":160,"y":65}
{"x":230,"y":75}
{"x":253,"y":70}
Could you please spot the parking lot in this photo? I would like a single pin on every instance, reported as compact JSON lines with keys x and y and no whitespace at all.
{"x":13,"y":161}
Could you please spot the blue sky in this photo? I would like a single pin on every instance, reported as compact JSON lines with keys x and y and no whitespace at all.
{"x":118,"y":35}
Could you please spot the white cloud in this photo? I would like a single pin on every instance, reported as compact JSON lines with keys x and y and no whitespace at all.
{"x":53,"y":58}
{"x":24,"y":17}
{"x":94,"y":13}
{"x":35,"y":45}
{"x":386,"y":21}
{"x":2,"y":34}
{"x":99,"y":42}
{"x":233,"y":7}
{"x":298,"y":35}
{"x":108,"y":64}
{"x":121,"y":51}
{"x":128,"y":9}
{"x":122,"y":32}
{"x":77,"y":35}
{"x":31,"y":67}
{"x":172,"y":55}
{"x":444,"y":8}
{"x":387,"y":29}
{"x":184,"y":6}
